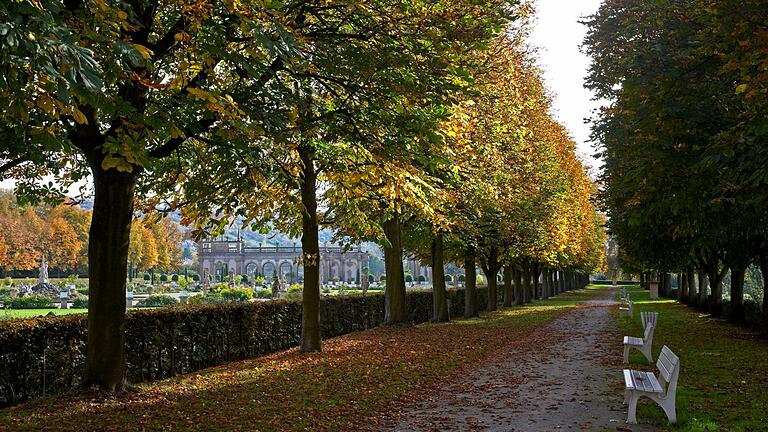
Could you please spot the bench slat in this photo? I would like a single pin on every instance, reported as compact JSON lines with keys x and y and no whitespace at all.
{"x":642,"y":381}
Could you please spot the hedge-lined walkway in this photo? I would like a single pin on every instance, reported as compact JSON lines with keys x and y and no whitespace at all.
{"x":561,"y":376}
{"x":359,"y":377}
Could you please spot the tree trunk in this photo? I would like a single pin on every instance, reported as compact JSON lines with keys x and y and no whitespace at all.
{"x":395,"y":310}
{"x":470,"y":276}
{"x":682,"y":287}
{"x":517,"y":275}
{"x":439,"y":299}
{"x":491,"y":270}
{"x":763,"y":260}
{"x":736,"y":313}
{"x":703,"y":303}
{"x":526,"y":283}
{"x":556,"y":282}
{"x":509,"y":293}
{"x":716,"y":286}
{"x":310,"y":247}
{"x":536,"y":273}
{"x":108,"y":242}
{"x":691,"y":286}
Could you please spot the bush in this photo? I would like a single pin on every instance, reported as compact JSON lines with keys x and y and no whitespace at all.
{"x":83,"y":291}
{"x":219,"y":286}
{"x":80,"y":303}
{"x":7,"y":282}
{"x":147,"y":277}
{"x":4,"y":291}
{"x":174,"y":278}
{"x":47,"y":355}
{"x":196,"y":277}
{"x":262,"y":294}
{"x":236,"y":294}
{"x":408,"y":278}
{"x":163,"y":278}
{"x":422,"y":278}
{"x":34,"y":301}
{"x":157,"y":301}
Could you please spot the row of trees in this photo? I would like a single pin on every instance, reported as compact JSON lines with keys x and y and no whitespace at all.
{"x":382,"y":119}
{"x":60,"y":233}
{"x":684,"y":138}
{"x":155,"y":245}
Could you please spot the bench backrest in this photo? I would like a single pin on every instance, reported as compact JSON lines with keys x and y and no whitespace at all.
{"x":669,"y":369}
{"x":649,"y":317}
{"x":648,"y":337}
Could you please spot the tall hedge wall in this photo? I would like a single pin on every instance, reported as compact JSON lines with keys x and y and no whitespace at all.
{"x":46,"y":356}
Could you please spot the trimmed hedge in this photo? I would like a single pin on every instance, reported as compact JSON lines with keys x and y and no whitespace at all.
{"x":32,"y":301}
{"x":157,"y":300}
{"x":46,"y":356}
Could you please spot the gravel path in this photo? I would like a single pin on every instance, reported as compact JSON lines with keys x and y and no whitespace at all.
{"x":564,"y":376}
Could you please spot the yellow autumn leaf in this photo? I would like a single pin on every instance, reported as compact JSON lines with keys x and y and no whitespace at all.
{"x":144,"y":51}
{"x":79,"y":117}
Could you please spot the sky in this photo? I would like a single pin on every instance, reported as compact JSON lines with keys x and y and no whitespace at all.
{"x":557,"y":34}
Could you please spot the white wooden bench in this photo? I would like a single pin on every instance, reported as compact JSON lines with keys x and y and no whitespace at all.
{"x":643,"y":345}
{"x":661,"y":390}
{"x":649,"y":317}
{"x":629,"y":309}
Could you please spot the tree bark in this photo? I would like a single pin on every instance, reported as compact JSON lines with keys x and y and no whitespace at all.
{"x":736,"y":314}
{"x":310,"y":247}
{"x":763,"y":261}
{"x":491,"y":270}
{"x":691,"y":286}
{"x":439,"y":298}
{"x":703,"y":302}
{"x":682,"y":287}
{"x":509,"y":293}
{"x":108,"y":243}
{"x":536,"y":273}
{"x":517,"y":275}
{"x":470,"y":276}
{"x":716,"y":286}
{"x":395,"y":309}
{"x":526,"y":283}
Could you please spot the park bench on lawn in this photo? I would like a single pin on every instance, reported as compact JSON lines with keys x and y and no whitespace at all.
{"x":649,"y":317}
{"x":629,"y":309}
{"x":624,"y":296}
{"x":661,"y":390}
{"x":644,"y":345}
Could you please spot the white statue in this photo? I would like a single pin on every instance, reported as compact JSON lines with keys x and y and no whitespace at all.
{"x":43,"y":279}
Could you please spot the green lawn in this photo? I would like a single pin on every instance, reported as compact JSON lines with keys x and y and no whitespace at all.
{"x":723,"y":368}
{"x":31,"y":313}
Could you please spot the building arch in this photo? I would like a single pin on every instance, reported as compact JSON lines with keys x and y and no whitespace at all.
{"x":268,"y":269}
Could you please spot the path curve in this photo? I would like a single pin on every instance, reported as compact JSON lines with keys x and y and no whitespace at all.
{"x":565,"y":375}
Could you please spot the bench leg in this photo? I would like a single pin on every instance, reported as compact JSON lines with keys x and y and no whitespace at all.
{"x":647,"y":353}
{"x":626,"y":353}
{"x":626,"y":396}
{"x":668,"y":405}
{"x":632,"y":411}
